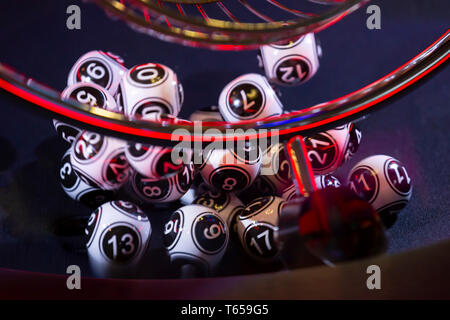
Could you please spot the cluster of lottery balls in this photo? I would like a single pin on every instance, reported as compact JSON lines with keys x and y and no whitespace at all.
{"x":225,"y":193}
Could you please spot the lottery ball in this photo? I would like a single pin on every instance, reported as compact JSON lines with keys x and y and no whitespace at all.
{"x":322,"y":182}
{"x":155,"y":161}
{"x":101,"y":159}
{"x":86,"y":93}
{"x":383,"y":182}
{"x":150,"y":89}
{"x":79,"y":187}
{"x":92,"y":95}
{"x":208,"y":114}
{"x":102,"y":68}
{"x":249,"y":96}
{"x":226,"y":204}
{"x":232,"y":169}
{"x":257,"y":225}
{"x":161,"y":190}
{"x":275,"y":168}
{"x":327,"y":150}
{"x":66,"y":131}
{"x":353,"y":142}
{"x":196,"y":235}
{"x":291,"y":63}
{"x":117,"y":235}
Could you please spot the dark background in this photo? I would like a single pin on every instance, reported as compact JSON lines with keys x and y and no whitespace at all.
{"x":34,"y":40}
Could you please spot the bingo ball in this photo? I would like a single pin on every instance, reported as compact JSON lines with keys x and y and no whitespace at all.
{"x":291,"y":63}
{"x":102,"y":68}
{"x":257,"y":225}
{"x":322,"y":182}
{"x":249,"y":97}
{"x":232,"y":169}
{"x":150,"y":89}
{"x":66,"y":131}
{"x":92,"y":95}
{"x":327,"y":150}
{"x":117,"y":235}
{"x":100,"y":159}
{"x":226,"y":204}
{"x":155,"y":161}
{"x":275,"y":168}
{"x":86,"y":93}
{"x":196,"y":235}
{"x":383,"y":182}
{"x":354,"y":141}
{"x":161,"y":190}
{"x":80,"y":188}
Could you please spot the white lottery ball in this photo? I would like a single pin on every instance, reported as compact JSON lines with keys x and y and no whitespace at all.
{"x":80,"y":188}
{"x":291,"y":63}
{"x":101,"y":159}
{"x":161,"y":190}
{"x":249,"y":96}
{"x":383,"y":182}
{"x":155,"y":161}
{"x":257,"y":226}
{"x":150,"y":89}
{"x":225,"y":203}
{"x":231,"y":169}
{"x":327,"y":150}
{"x":102,"y":68}
{"x":322,"y":182}
{"x":92,"y":95}
{"x":275,"y":168}
{"x":196,"y":234}
{"x":117,"y":236}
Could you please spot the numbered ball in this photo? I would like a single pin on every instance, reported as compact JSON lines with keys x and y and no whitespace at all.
{"x":117,"y":235}
{"x":100,"y":159}
{"x":353,"y":142}
{"x":154,"y":190}
{"x":206,"y":114}
{"x":232,"y":169}
{"x":257,"y":226}
{"x":249,"y":97}
{"x":383,"y":182}
{"x":79,"y":187}
{"x":92,"y":95}
{"x":327,"y":150}
{"x":86,"y":93}
{"x":322,"y":182}
{"x":102,"y":68}
{"x":275,"y":169}
{"x":155,"y":161}
{"x":66,"y":131}
{"x":150,"y":89}
{"x":196,"y":235}
{"x":291,"y":63}
{"x":226,"y":204}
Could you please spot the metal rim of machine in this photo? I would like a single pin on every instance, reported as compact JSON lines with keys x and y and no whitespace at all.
{"x":203,"y":30}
